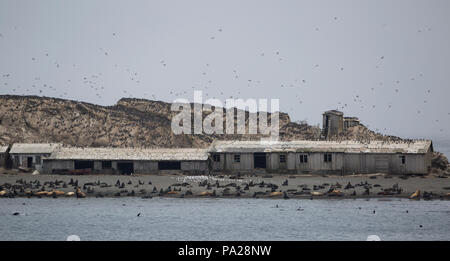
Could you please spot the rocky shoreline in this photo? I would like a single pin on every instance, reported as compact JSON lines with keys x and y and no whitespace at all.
{"x":225,"y":186}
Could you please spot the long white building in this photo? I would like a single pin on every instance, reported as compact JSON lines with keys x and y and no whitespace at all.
{"x":296,"y":157}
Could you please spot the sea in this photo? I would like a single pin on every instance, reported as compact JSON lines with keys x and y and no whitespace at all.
{"x":134,"y":218}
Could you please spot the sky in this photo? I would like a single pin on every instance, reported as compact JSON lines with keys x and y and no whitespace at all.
{"x":386,"y":62}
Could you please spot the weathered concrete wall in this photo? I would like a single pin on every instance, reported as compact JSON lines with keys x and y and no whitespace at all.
{"x":50,"y":165}
{"x":292,"y":160}
{"x":246,"y":162}
{"x":145,"y":167}
{"x":97,"y":165}
{"x":194,"y":165}
{"x":21,"y":160}
{"x":386,"y":163}
{"x":341,"y":163}
{"x":316,"y":163}
{"x":414,"y":164}
{"x":335,"y":124}
{"x":354,"y":163}
{"x":218,"y":165}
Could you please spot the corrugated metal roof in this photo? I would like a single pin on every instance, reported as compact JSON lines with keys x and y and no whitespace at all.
{"x":3,"y":149}
{"x":33,"y":148}
{"x":68,"y":153}
{"x":418,"y":146}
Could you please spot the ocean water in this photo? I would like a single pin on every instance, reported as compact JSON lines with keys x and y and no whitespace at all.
{"x":223,"y":219}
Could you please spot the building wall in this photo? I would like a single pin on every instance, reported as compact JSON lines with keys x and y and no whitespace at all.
{"x":49,"y":166}
{"x":21,"y":160}
{"x":145,"y":167}
{"x":97,"y":165}
{"x":194,"y":165}
{"x":140,"y":167}
{"x":386,"y":163}
{"x":415,"y":164}
{"x":292,"y":160}
{"x":428,"y":158}
{"x":348,"y":123}
{"x":335,"y":124}
{"x":245,"y":164}
{"x":341,"y":163}
{"x":220,"y":165}
{"x":273,"y":164}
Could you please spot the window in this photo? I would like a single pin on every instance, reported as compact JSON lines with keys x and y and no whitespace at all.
{"x":38,"y":160}
{"x":237,"y":158}
{"x":216,"y":157}
{"x":106,"y":164}
{"x":282,"y":158}
{"x":327,"y":157}
{"x":403,"y":158}
{"x":303,"y":158}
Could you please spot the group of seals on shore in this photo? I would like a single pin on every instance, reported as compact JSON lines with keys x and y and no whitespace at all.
{"x":36,"y":189}
{"x":212,"y":189}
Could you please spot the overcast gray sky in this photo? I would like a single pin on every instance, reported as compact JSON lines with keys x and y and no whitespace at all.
{"x":386,"y":62}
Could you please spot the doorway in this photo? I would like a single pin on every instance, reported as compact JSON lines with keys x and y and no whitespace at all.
{"x":125,"y":167}
{"x":259,"y":160}
{"x":29,"y":162}
{"x":169,"y":165}
{"x":84,"y":164}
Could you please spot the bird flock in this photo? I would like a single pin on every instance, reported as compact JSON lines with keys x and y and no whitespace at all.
{"x":99,"y":84}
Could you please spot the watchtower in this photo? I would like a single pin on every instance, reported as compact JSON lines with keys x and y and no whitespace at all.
{"x":333,"y":123}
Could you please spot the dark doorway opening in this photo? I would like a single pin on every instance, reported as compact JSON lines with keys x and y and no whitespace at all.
{"x":259,"y":160}
{"x":106,"y":164}
{"x":169,"y":165}
{"x":8,"y":162}
{"x":84,"y":164}
{"x":125,"y":167}
{"x":29,"y":162}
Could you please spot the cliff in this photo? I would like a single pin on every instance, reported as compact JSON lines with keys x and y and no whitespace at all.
{"x":129,"y":123}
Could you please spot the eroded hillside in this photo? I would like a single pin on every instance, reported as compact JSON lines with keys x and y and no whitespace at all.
{"x":129,"y":123}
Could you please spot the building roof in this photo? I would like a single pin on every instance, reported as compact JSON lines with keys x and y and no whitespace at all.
{"x":3,"y":149}
{"x":72,"y":153}
{"x":335,"y":112}
{"x":351,"y":119}
{"x":413,"y":147}
{"x":33,"y":148}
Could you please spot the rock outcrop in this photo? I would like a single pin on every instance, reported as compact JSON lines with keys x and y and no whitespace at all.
{"x":129,"y":123}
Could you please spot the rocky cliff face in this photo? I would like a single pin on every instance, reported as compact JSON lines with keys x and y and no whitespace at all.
{"x":129,"y":123}
{"x":362,"y":133}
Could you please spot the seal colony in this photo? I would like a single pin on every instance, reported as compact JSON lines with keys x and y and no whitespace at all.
{"x":225,"y":186}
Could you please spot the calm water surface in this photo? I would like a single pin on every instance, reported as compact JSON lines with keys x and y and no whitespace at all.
{"x":223,"y":219}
